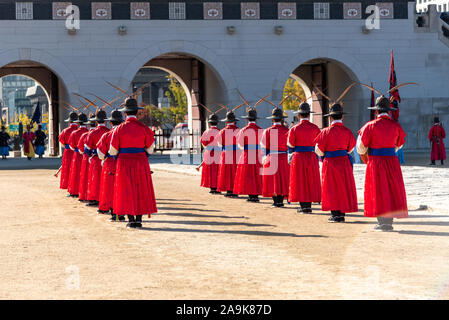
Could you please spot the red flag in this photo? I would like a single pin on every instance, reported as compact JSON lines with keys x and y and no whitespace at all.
{"x":393,"y":83}
{"x":373,"y":103}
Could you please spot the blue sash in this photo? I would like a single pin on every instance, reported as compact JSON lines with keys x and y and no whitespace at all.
{"x":94,"y":152}
{"x":339,"y":153}
{"x":131,"y":150}
{"x":76,"y":150}
{"x":251,"y":147}
{"x":109,"y":156}
{"x":67,"y":146}
{"x":229,"y":148}
{"x":268,"y":151}
{"x":301,"y":149}
{"x":382,"y":152}
{"x":213,"y":148}
{"x":87,"y":151}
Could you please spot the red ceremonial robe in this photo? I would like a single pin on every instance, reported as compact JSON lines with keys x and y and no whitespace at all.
{"x":84,"y":172}
{"x":276,"y":169}
{"x":384,"y":186}
{"x":436,"y":136}
{"x":107,"y":173}
{"x":248,"y":177}
{"x":66,"y":156}
{"x":28,"y":146}
{"x":93,"y":185}
{"x":227,"y":139}
{"x":75,"y":167}
{"x":133,"y":186}
{"x":211,"y":158}
{"x":338,"y":190}
{"x":305,"y":184}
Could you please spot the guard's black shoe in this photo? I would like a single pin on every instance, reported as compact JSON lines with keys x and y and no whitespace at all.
{"x":233,"y":195}
{"x":137,"y":225}
{"x":216,"y":192}
{"x":131,"y":225}
{"x":102,"y":211}
{"x":92,"y":203}
{"x":304,"y":210}
{"x":383,"y":227}
{"x":334,"y":219}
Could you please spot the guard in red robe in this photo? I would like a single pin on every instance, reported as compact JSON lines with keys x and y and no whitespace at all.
{"x":28,"y":143}
{"x":276,"y":171}
{"x":379,"y":139}
{"x":93,"y":185}
{"x":211,"y":157}
{"x":227,"y":140}
{"x":335,"y":143}
{"x":108,"y":168}
{"x":305,"y":184}
{"x":68,"y":153}
{"x":75,"y":167}
{"x":133,"y":188}
{"x":248,"y":177}
{"x":436,"y":136}
{"x":84,"y":173}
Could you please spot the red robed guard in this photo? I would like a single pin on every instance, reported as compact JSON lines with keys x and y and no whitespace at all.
{"x":211,"y":157}
{"x":436,"y":136}
{"x":275,"y":174}
{"x":108,"y":168}
{"x":84,"y":173}
{"x":67,"y":153}
{"x":335,"y":143}
{"x":90,"y":147}
{"x":75,"y":167}
{"x":385,"y":196}
{"x":133,"y":188}
{"x":28,"y":143}
{"x":305,"y":184}
{"x":227,"y":140}
{"x":248,"y":178}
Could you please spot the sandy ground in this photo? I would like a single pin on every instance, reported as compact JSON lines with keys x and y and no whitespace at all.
{"x":201,"y":246}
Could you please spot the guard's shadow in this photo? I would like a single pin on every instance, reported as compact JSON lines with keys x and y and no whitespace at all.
{"x":424,"y":233}
{"x":184,"y":208}
{"x":241,"y":232}
{"x":212,"y":223}
{"x":196,"y":215}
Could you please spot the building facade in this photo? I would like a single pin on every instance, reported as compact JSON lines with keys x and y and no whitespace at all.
{"x":219,"y":48}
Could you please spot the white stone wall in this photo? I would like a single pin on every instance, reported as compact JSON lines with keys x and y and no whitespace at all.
{"x":255,"y":60}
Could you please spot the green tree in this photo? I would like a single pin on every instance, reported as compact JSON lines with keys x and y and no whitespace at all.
{"x":178,"y":100}
{"x":292,"y":86}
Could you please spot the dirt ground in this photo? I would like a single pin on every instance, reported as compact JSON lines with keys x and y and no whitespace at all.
{"x":201,"y":246}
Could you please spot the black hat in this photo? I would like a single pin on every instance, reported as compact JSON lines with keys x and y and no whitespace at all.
{"x":304,"y":108}
{"x":230,"y":117}
{"x":116,"y":116}
{"x":436,"y":120}
{"x":277,"y":114}
{"x":91,"y":118}
{"x":382,"y":104}
{"x":213,"y":119}
{"x":82,"y":118}
{"x":335,"y":109}
{"x":100,"y":116}
{"x":251,"y":114}
{"x":72,"y":117}
{"x":130,"y":104}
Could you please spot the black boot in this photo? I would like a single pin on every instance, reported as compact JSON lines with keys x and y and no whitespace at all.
{"x":131,"y":222}
{"x":384,"y":224}
{"x":442,"y":162}
{"x":138,"y":223}
{"x":432,"y":162}
{"x":336,"y":216}
{"x":280,"y":200}
{"x":253,"y":198}
{"x":92,"y":203}
{"x":306,"y":207}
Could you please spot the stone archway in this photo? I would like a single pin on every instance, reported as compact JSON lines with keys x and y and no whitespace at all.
{"x":53,"y":75}
{"x":343,"y":70}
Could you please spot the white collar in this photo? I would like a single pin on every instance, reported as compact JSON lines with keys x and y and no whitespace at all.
{"x":83,"y":127}
{"x":249,"y":122}
{"x":304,"y":119}
{"x":129,"y":117}
{"x":277,"y":124}
{"x":383,"y":114}
{"x":213,"y":127}
{"x":101,"y":125}
{"x":337,"y":121}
